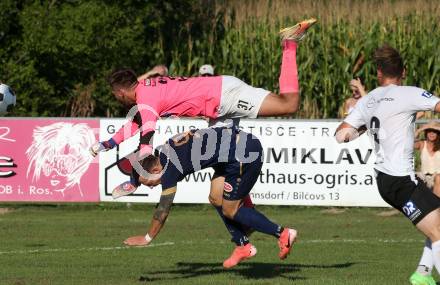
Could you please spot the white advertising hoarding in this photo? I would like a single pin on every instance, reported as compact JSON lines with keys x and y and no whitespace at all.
{"x":303,"y":165}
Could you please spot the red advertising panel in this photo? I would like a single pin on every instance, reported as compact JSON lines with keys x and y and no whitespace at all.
{"x":48,"y":160}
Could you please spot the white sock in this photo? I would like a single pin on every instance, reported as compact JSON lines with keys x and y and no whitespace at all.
{"x":436,"y":254}
{"x":427,"y":261}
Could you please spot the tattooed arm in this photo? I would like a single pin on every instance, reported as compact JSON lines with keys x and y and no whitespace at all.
{"x":162,"y":211}
{"x":159,"y":218}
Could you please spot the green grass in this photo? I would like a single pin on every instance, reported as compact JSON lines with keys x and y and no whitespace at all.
{"x":75,"y":244}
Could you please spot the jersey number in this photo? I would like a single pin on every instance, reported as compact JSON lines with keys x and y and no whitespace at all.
{"x":244,"y":105}
{"x":374,"y":128}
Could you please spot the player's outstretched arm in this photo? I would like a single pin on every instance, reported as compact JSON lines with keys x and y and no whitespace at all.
{"x":127,"y":131}
{"x":159,"y":218}
{"x":346,"y":133}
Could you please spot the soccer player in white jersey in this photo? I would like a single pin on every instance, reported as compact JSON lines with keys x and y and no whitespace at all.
{"x":389,"y":112}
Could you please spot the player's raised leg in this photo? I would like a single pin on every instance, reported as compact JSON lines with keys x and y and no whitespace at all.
{"x":287,"y":102}
{"x":240,"y":100}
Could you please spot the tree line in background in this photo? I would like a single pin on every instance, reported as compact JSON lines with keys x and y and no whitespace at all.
{"x":57,"y":54}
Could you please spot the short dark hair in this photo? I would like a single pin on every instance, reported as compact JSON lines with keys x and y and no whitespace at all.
{"x":123,"y":77}
{"x":389,"y":61}
{"x":150,"y":161}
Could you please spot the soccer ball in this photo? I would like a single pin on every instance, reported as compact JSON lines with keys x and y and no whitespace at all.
{"x":7,"y":99}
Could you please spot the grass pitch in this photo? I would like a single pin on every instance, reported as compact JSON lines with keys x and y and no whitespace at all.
{"x":82,"y":244}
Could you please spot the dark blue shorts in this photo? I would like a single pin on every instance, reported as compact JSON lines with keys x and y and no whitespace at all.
{"x":242,"y":173}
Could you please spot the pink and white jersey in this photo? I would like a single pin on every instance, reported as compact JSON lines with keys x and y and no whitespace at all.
{"x":172,"y":96}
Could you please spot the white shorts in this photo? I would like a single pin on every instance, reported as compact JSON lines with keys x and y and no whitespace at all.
{"x":238,"y":100}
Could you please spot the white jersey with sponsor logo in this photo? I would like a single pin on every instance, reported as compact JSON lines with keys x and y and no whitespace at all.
{"x":389,"y":113}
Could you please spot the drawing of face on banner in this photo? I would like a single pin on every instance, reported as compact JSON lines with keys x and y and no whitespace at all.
{"x":59,"y":155}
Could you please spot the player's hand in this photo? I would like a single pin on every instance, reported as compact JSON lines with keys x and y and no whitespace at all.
{"x":100,"y":146}
{"x":158,"y":70}
{"x":137,"y":241}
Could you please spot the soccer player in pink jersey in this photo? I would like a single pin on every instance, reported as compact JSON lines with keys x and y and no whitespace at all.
{"x":218,"y":98}
{"x":222,"y":99}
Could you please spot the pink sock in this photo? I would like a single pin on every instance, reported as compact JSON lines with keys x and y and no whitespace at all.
{"x":289,"y":71}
